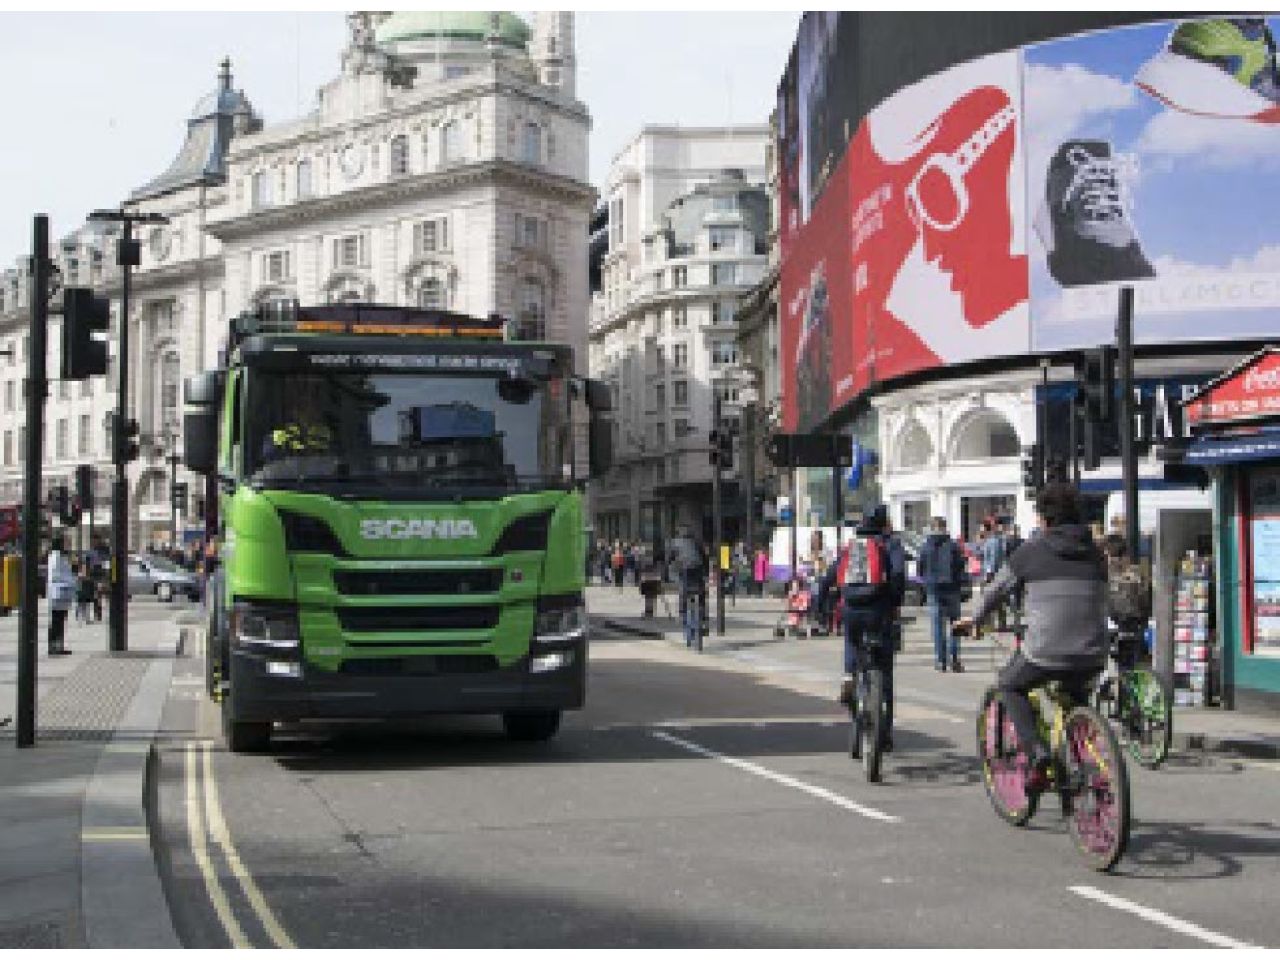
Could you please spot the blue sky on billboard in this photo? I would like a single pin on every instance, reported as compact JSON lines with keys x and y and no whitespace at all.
{"x":1195,"y":192}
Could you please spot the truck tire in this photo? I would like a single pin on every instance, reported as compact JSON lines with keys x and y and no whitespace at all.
{"x":531,"y":727}
{"x":244,"y":736}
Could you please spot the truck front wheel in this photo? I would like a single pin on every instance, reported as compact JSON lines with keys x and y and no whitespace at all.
{"x":531,"y":727}
{"x":244,"y":736}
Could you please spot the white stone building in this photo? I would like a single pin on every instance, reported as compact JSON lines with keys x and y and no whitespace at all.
{"x":446,"y":165}
{"x":688,"y":223}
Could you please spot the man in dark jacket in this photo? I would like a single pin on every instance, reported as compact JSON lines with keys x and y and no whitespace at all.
{"x":942,"y":568}
{"x":1065,"y":578}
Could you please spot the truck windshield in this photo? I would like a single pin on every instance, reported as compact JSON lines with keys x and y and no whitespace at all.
{"x":405,"y":429}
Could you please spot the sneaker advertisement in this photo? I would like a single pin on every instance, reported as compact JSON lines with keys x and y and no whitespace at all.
{"x":1151,"y":153}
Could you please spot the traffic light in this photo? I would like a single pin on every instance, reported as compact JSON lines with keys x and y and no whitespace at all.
{"x":84,"y":485}
{"x":1033,"y":467}
{"x":124,"y":443}
{"x":83,"y":315}
{"x":180,"y":497}
{"x":722,"y":449}
{"x":1096,"y":377}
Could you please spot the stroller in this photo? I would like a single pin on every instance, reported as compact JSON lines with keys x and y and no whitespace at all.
{"x":797,"y":613}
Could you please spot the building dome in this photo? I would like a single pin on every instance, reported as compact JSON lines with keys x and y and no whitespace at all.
{"x":224,"y":99}
{"x":508,"y":28}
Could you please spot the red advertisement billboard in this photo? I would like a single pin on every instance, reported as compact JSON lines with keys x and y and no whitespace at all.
{"x":914,"y":256}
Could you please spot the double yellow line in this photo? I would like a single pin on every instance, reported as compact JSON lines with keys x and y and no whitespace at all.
{"x":207,"y":828}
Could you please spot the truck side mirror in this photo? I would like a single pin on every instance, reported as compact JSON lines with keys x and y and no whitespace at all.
{"x":200,"y":440}
{"x":599,"y":398}
{"x":205,"y":389}
{"x":600,"y":446}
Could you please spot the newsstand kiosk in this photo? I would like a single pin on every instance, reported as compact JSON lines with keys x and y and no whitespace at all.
{"x":1235,"y":435}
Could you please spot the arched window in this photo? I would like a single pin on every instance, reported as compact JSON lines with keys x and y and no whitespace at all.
{"x":399,"y":155}
{"x":451,"y":142}
{"x":984,"y":435}
{"x":531,"y":144}
{"x":170,"y":387}
{"x":915,"y":449}
{"x":533,"y":310}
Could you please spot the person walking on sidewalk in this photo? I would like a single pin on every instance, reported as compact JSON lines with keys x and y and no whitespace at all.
{"x":690,"y":564}
{"x":60,"y":589}
{"x":760,"y":571}
{"x":942,"y":568}
{"x":992,"y":558}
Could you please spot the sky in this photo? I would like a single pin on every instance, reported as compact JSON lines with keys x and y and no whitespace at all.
{"x":97,"y":103}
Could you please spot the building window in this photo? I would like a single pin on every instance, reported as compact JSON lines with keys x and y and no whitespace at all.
{"x":723,"y":352}
{"x":679,"y":318}
{"x":455,"y":72}
{"x":724,"y":273}
{"x":531,"y":232}
{"x":61,"y":442}
{"x":64,"y":390}
{"x":727,"y":393}
{"x":22,"y":443}
{"x":276,"y":266}
{"x":8,"y":448}
{"x":725,"y":204}
{"x":86,"y":387}
{"x":451,"y":142}
{"x":304,"y":179}
{"x":170,"y":379}
{"x":721,"y":238}
{"x":431,"y":236}
{"x":399,"y":151}
{"x":533,"y":310}
{"x":660,"y":397}
{"x":431,"y":294}
{"x":616,"y":233}
{"x":680,"y":393}
{"x":349,"y":251}
{"x":724,"y":311}
{"x":82,"y":445}
{"x":260,"y":189}
{"x":680,"y":356}
{"x":679,"y":276}
{"x":531,"y":144}
{"x":8,"y":397}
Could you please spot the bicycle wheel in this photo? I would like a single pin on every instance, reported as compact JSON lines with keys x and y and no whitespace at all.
{"x":1095,"y":778}
{"x":1004,"y":762}
{"x":1146,"y":716}
{"x":871,"y":724}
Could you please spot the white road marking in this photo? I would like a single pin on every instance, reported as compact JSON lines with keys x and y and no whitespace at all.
{"x":218,"y":827}
{"x":200,"y":850}
{"x":819,"y":792}
{"x":1163,"y":919}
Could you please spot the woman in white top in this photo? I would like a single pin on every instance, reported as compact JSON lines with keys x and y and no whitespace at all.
{"x":60,"y":589}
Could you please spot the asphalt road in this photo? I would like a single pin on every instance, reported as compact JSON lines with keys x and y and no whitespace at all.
{"x":696,"y":802}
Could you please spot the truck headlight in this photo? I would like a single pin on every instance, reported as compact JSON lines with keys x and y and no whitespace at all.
{"x":261,"y":627}
{"x":560,"y":619}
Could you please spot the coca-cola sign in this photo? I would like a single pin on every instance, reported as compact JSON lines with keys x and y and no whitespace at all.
{"x":1251,"y":392}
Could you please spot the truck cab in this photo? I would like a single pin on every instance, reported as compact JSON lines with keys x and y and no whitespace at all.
{"x":399,"y":520}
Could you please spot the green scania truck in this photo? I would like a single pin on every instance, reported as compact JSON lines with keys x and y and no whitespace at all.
{"x":399,"y":519}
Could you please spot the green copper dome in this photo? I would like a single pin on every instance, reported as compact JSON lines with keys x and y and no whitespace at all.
{"x":453,"y":25}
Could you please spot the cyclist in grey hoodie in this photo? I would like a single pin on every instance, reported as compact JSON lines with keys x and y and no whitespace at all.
{"x":1065,"y":578}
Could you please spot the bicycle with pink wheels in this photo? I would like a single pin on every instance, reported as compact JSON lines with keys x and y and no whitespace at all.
{"x":1087,"y":772}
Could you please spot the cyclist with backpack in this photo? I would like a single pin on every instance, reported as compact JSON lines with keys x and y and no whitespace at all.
{"x":942,"y":568}
{"x":871,"y":577}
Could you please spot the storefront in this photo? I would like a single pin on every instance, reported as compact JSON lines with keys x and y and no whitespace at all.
{"x":1235,"y":421}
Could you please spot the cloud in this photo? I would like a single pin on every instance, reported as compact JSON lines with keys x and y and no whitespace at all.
{"x":1263,"y":260}
{"x":1209,"y":142}
{"x":1062,"y":102}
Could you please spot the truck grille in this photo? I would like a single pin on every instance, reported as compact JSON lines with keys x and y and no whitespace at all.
{"x":414,"y":619}
{"x":369,"y":583}
{"x":428,"y":666}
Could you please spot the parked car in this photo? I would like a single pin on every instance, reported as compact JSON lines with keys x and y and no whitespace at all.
{"x":161,"y":577}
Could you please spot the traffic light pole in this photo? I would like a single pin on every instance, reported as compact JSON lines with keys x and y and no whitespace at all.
{"x":128,"y":257}
{"x":1128,"y":453}
{"x":173,"y":501}
{"x":717,"y":519}
{"x":749,"y":476}
{"x":37,"y":387}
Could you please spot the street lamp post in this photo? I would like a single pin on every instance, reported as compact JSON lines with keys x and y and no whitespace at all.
{"x":128,"y":256}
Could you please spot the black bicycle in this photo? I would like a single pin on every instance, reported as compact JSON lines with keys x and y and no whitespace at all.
{"x":868,"y":714}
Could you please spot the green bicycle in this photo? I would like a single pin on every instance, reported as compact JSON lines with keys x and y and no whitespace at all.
{"x":1139,"y":704}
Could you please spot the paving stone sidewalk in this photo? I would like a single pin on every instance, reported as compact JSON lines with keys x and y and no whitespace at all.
{"x":752,"y":621}
{"x":53,"y":872}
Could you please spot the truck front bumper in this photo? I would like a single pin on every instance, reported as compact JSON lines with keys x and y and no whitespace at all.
{"x":258,"y":694}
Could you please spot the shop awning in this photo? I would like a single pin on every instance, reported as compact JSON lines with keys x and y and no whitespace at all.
{"x":1208,"y":451}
